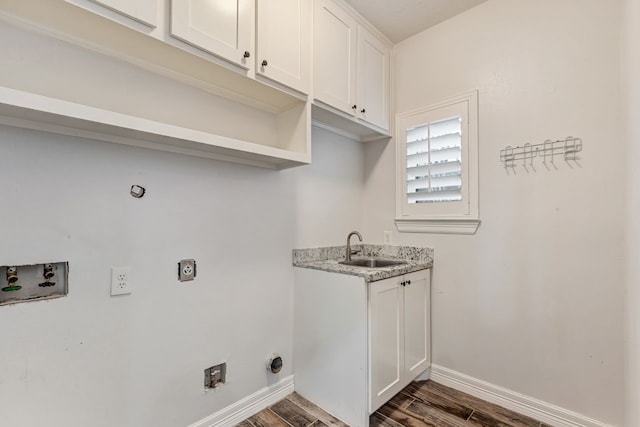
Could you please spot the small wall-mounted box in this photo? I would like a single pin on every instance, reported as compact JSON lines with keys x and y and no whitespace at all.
{"x":22,"y":283}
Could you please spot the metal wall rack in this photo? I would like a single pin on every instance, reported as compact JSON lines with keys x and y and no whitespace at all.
{"x":567,"y":149}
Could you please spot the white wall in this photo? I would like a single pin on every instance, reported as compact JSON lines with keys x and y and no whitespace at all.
{"x":138,"y":360}
{"x":534,"y":301}
{"x":632,"y":101}
{"x":329,"y":192}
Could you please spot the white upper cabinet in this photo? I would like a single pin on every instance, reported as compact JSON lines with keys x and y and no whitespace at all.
{"x":221,"y":27}
{"x":141,"y":11}
{"x":373,"y":80}
{"x":351,"y":66}
{"x":226,"y":28}
{"x":283,"y":42}
{"x":334,"y":60}
{"x":144,"y":11}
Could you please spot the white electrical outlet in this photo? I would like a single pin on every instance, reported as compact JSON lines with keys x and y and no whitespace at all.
{"x":387,"y":237}
{"x":186,"y":270}
{"x":120,"y":280}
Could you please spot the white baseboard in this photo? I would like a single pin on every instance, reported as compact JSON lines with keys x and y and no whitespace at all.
{"x":525,"y":405}
{"x":250,"y":405}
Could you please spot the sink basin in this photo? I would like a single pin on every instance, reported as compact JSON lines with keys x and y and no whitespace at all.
{"x":372,"y":262}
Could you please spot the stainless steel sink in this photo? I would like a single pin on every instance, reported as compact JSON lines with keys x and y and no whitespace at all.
{"x":372,"y":262}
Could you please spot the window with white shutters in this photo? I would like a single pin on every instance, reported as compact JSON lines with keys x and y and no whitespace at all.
{"x":437,"y":156}
{"x":434,"y":162}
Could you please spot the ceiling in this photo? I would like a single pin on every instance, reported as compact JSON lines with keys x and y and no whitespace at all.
{"x":399,"y":19}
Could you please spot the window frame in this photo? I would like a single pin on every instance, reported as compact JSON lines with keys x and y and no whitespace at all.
{"x":458,"y":217}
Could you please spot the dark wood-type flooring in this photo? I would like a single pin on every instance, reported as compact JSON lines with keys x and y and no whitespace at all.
{"x":420,"y":404}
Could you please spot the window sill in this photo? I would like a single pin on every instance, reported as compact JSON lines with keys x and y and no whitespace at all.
{"x":438,"y":226}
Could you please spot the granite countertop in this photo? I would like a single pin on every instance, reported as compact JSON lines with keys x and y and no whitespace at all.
{"x":328,"y":259}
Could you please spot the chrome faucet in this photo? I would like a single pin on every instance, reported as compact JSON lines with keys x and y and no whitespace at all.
{"x":349,"y":251}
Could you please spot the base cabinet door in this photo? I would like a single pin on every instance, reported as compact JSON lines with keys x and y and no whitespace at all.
{"x":398,"y":334}
{"x":385,"y":345}
{"x":221,"y":27}
{"x":417,"y":354}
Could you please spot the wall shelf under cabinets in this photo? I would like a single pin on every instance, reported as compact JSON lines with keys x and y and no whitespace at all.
{"x":27,"y":110}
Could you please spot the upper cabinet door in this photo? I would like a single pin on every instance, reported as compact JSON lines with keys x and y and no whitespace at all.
{"x":373,"y":80}
{"x":284,"y":42}
{"x":141,"y":11}
{"x":334,"y":47}
{"x":221,"y":27}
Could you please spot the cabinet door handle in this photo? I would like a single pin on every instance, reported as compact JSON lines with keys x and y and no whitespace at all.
{"x":246,"y":54}
{"x":403,"y":283}
{"x":408,"y":282}
{"x":363,"y":111}
{"x":355,"y":107}
{"x":264,"y":63}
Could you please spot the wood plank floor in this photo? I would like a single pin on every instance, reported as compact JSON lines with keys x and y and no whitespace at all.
{"x":420,"y":404}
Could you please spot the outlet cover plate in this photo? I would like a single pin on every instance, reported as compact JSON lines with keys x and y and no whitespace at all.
{"x":120,"y":280}
{"x":186,"y":270}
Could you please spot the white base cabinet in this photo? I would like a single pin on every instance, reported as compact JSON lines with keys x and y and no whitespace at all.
{"x":356,"y":344}
{"x":398,"y":331}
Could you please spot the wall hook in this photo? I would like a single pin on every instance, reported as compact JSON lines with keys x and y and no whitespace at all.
{"x":571,"y":149}
{"x":568,"y":148}
{"x":546,"y":150}
{"x":508,"y":158}
{"x":524,"y":151}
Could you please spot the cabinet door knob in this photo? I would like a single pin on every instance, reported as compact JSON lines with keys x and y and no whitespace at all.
{"x":408,"y":282}
{"x":264,"y":63}
{"x":246,"y":54}
{"x":354,"y":106}
{"x":363,"y":111}
{"x":403,"y":283}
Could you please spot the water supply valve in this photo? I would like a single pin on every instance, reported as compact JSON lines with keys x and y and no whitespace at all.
{"x":48,"y":274}
{"x":12,"y":279}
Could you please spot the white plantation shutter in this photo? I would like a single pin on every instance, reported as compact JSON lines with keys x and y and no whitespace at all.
{"x":437,"y":158}
{"x":434,"y":162}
